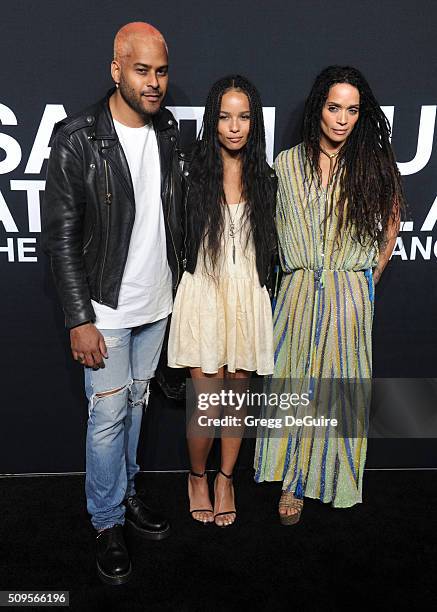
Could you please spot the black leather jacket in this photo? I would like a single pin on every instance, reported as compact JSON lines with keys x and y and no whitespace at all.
{"x":265,"y":261}
{"x":89,"y":208}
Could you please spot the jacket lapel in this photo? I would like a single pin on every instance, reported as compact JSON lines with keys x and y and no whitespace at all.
{"x":111,"y":149}
{"x":163,"y":124}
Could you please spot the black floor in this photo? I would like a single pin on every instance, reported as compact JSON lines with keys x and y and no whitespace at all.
{"x":382,"y":552}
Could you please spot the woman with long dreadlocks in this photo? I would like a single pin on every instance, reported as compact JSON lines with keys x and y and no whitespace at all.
{"x":222,"y":319}
{"x":338,"y":210}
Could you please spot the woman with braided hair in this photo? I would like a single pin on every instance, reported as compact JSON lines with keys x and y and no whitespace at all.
{"x":338,"y":209}
{"x":222,"y":319}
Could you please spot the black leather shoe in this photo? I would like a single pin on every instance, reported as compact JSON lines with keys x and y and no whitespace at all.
{"x":113,"y":563}
{"x":145,"y":522}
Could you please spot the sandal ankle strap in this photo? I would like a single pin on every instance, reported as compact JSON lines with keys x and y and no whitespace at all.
{"x":228,"y":476}
{"x":197,"y":475}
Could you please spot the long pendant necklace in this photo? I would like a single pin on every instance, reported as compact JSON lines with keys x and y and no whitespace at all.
{"x":232,"y":230}
{"x":331,"y":157}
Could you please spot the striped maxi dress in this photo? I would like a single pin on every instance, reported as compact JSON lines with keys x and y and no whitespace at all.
{"x":322,"y":331}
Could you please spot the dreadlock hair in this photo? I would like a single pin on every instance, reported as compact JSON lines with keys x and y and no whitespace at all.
{"x":370,"y":191}
{"x":207,"y":193}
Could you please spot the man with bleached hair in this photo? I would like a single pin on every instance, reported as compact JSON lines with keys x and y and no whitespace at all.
{"x":111,"y":227}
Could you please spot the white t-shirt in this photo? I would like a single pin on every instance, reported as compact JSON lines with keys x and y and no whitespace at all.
{"x":145,"y":292}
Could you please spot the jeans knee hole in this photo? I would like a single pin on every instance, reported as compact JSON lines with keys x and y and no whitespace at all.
{"x":110,"y":393}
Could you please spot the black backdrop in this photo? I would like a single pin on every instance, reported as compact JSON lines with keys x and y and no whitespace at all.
{"x":58,"y":53}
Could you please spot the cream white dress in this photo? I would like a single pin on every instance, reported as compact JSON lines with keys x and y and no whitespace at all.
{"x":224,"y":319}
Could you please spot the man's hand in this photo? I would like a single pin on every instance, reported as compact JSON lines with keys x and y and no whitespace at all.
{"x":88,"y":346}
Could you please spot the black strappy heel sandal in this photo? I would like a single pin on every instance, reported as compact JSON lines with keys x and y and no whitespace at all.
{"x":229,"y":477}
{"x":198,"y":509}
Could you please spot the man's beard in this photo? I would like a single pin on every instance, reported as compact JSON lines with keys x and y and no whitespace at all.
{"x":131,"y":99}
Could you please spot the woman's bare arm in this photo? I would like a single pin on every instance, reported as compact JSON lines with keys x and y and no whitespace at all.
{"x":388,"y":244}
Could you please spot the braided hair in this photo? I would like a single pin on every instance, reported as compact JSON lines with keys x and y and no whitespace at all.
{"x":371,"y":192}
{"x":207,"y":193}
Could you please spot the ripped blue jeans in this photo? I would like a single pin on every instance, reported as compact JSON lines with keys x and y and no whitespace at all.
{"x":116,"y":397}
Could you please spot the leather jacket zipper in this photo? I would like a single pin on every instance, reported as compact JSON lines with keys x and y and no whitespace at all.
{"x":168,"y":215}
{"x":108,"y":194}
{"x":184,"y":261}
{"x":108,"y":199}
{"x":171,"y":235}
